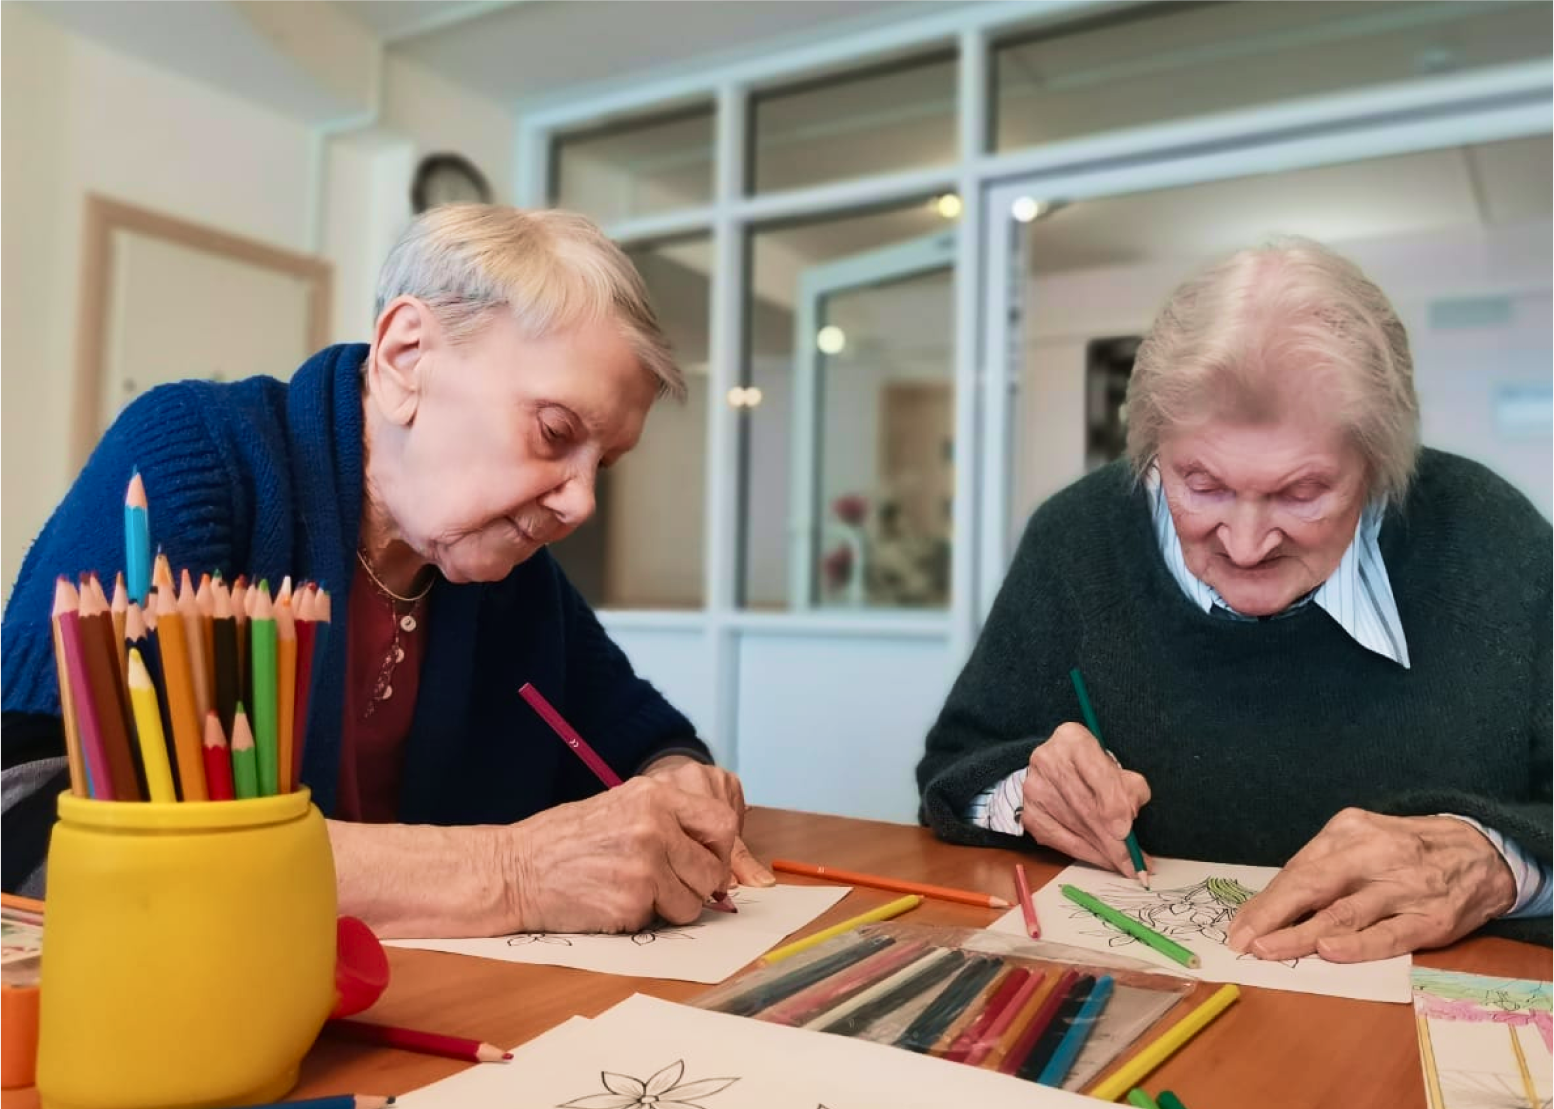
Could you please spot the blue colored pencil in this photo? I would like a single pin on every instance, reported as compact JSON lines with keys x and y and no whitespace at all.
{"x":137,"y":541}
{"x":1073,"y":1041}
{"x":344,"y":1101}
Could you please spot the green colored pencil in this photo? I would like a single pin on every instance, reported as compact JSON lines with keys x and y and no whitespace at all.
{"x":266,"y":707}
{"x":1141,"y":1100}
{"x":1167,"y":947}
{"x":245,"y":769}
{"x":1094,"y":725}
{"x":1168,"y":1100}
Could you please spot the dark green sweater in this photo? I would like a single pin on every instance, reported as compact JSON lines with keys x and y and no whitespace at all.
{"x":1253,"y":734}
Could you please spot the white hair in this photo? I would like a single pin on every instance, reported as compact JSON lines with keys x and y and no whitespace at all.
{"x":551,"y":269}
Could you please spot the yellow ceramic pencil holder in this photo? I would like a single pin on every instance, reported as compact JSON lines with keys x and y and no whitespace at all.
{"x":189,"y":952}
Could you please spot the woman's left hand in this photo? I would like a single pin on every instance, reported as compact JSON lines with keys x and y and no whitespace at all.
{"x":712,"y":781}
{"x":1371,"y":887}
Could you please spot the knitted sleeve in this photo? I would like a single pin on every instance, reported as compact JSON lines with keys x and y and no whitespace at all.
{"x":163,"y":433}
{"x":1012,"y":693}
{"x":622,"y":714}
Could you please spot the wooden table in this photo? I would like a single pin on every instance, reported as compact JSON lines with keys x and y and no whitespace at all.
{"x":1270,"y":1049}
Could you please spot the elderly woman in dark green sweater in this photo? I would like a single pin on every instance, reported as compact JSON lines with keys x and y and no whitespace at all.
{"x":1313,"y":644}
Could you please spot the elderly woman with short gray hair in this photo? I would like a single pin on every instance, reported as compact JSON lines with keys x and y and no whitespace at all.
{"x":1314,"y":645}
{"x":420,"y":478}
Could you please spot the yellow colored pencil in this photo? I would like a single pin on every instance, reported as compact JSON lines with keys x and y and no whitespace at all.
{"x":1167,"y":1044}
{"x":883,"y":912}
{"x":148,"y":730}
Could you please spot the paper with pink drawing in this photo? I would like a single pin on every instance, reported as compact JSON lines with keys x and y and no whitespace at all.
{"x":1483,"y":1041}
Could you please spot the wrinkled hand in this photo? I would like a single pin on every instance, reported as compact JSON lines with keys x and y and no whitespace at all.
{"x":1079,"y":801}
{"x":1371,"y":887}
{"x":711,"y":781}
{"x":610,"y":863}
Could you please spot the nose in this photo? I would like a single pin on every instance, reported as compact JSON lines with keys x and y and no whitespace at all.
{"x":1246,"y":534}
{"x":573,"y":500}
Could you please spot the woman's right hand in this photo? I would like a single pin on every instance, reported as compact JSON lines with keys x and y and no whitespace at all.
{"x":1080,"y":801}
{"x":614,"y":861}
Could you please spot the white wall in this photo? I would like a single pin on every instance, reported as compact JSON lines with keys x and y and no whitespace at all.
{"x":79,"y":118}
{"x":440,"y":117}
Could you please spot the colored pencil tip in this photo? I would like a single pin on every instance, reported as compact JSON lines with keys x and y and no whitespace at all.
{"x":507,"y":1055}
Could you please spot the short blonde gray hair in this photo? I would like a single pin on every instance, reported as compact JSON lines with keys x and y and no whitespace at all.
{"x":1229,"y":340}
{"x":552,"y":269}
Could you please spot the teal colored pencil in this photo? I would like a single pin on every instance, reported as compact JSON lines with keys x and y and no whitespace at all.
{"x":1168,"y":1100}
{"x":1144,"y":934}
{"x":245,"y":767}
{"x":1094,"y":725}
{"x":262,"y":658}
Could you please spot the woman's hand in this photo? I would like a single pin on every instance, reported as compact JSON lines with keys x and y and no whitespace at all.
{"x":614,"y":861}
{"x":1371,"y":887}
{"x":1079,"y":801}
{"x":711,"y":781}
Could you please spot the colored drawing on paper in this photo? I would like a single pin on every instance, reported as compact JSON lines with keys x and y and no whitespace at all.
{"x":1202,"y":911}
{"x":1484,"y":1041}
{"x":664,"y":1090}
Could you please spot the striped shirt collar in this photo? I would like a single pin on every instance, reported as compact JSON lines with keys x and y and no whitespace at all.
{"x":1358,"y":595}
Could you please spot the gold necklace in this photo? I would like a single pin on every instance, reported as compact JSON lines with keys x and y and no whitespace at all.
{"x":417,"y":599}
{"x":383,"y":686}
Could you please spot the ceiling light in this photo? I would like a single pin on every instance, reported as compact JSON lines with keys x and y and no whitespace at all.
{"x":1027,"y":208}
{"x":948,"y":205}
{"x":831,"y":339}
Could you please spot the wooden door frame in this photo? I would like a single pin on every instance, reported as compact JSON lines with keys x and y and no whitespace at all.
{"x":103,"y":217}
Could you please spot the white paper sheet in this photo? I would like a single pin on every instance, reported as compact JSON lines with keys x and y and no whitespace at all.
{"x":708,"y":950}
{"x":1193,"y":903}
{"x":647,"y":1052}
{"x":1483,"y":1041}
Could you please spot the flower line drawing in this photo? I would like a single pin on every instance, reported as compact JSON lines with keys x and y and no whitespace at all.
{"x":524,"y":939}
{"x":661,"y":1091}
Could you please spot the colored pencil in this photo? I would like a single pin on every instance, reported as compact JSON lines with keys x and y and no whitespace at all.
{"x":929,"y":1025}
{"x":65,"y":600}
{"x":1015,"y":1030}
{"x":912,"y":980}
{"x":580,"y":747}
{"x":307,"y":672}
{"x":137,"y":540}
{"x":1141,"y":872}
{"x":102,"y":671}
{"x":245,"y":767}
{"x":1052,"y":1036}
{"x":194,"y":645}
{"x":119,"y":613}
{"x":205,"y":604}
{"x":1039,"y":1023}
{"x":1168,"y":1100}
{"x":285,"y":690}
{"x":1528,"y":1086}
{"x":408,"y":1039}
{"x":94,"y":751}
{"x":1140,"y":1099}
{"x":148,"y":730}
{"x":245,"y":683}
{"x":178,"y":685}
{"x":137,"y":637}
{"x":1062,"y":1061}
{"x":829,"y":991}
{"x":218,"y":760}
{"x":883,"y":912}
{"x":1141,"y":932}
{"x":983,"y":1041}
{"x":776,"y":991}
{"x":344,"y":1102}
{"x":898,"y":885}
{"x":1027,"y":906}
{"x":266,"y":717}
{"x":161,"y":573}
{"x":980,"y":1009}
{"x":1134,"y":1071}
{"x":223,"y":637}
{"x":1001,"y":993}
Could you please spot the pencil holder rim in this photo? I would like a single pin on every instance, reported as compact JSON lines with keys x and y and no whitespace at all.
{"x":166,"y":816}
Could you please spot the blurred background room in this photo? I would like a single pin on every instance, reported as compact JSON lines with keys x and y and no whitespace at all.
{"x":905,"y":249}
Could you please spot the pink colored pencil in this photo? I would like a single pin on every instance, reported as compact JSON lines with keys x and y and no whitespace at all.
{"x":1027,"y":906}
{"x":93,"y":751}
{"x":977,"y":1031}
{"x":1043,"y":1017}
{"x":831,"y":992}
{"x":408,"y":1039}
{"x":1005,"y":1017}
{"x":591,"y":758}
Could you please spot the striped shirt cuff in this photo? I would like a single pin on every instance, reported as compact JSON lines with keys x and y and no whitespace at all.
{"x":998,"y":807}
{"x":1533,"y":887}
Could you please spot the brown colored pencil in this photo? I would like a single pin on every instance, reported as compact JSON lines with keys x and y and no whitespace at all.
{"x":102,"y":674}
{"x":224,"y":656}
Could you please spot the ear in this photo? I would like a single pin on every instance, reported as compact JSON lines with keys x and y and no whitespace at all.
{"x":403,"y":335}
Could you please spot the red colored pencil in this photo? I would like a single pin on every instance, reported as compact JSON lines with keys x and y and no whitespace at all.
{"x":993,"y":1034}
{"x":408,"y":1039}
{"x":218,"y":760}
{"x":307,"y":603}
{"x":1027,"y":906}
{"x":591,"y":759}
{"x":976,"y":1031}
{"x":1039,"y":1022}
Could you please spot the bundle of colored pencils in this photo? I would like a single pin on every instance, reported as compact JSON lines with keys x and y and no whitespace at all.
{"x":183,"y":692}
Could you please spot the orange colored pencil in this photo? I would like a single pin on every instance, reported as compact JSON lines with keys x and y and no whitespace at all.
{"x":285,"y":688}
{"x":178,"y":684}
{"x":162,"y":572}
{"x":194,"y":644}
{"x":66,"y":600}
{"x":899,"y":885}
{"x":218,"y":760}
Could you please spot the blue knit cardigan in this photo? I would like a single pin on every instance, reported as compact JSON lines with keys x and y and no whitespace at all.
{"x":264,"y":478}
